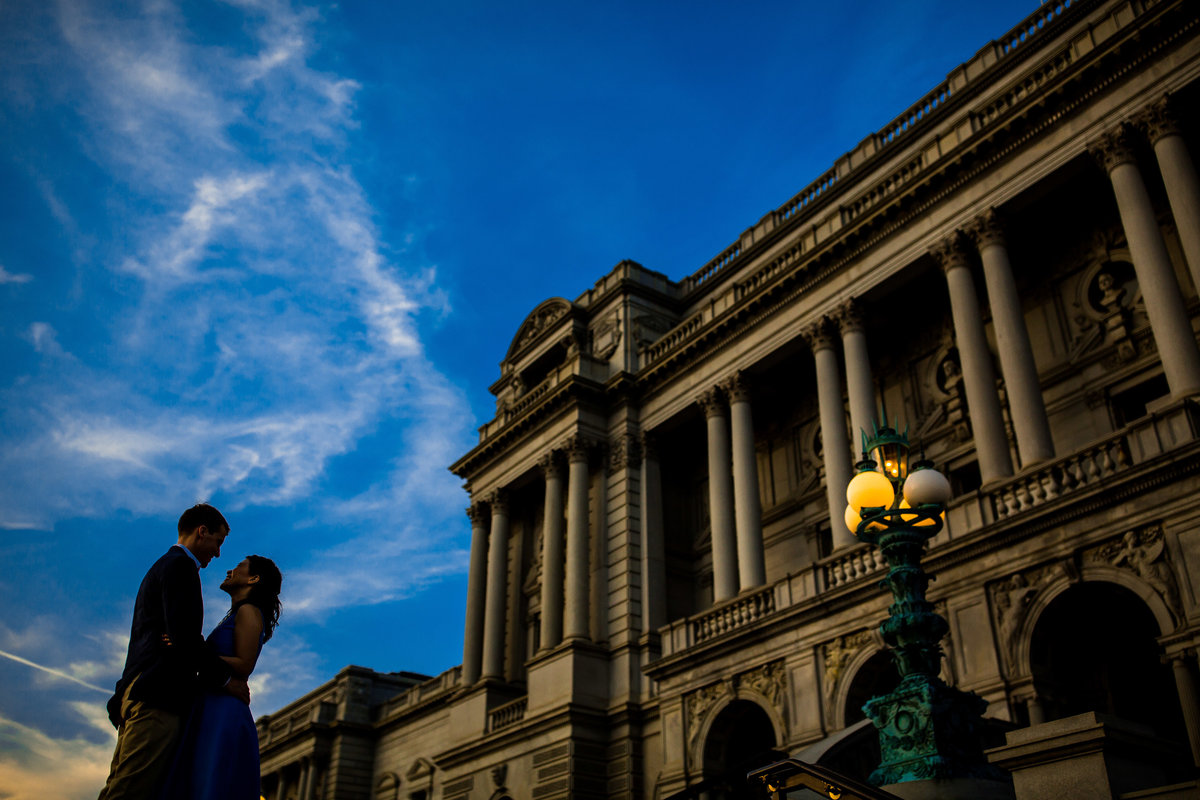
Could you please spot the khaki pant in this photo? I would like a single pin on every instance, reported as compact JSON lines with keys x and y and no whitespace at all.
{"x":146,"y":743}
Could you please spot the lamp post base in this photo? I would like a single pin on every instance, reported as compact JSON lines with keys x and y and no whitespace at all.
{"x":929,"y":730}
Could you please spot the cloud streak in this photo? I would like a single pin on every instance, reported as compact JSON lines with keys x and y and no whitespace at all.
{"x":55,"y":672}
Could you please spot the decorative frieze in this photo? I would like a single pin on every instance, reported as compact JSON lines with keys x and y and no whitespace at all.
{"x":768,"y":680}
{"x":837,"y":654}
{"x":1142,"y":552}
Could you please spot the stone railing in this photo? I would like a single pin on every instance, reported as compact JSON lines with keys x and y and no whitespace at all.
{"x":442,"y":684}
{"x":1066,"y":475}
{"x":806,"y":196}
{"x":714,"y":266}
{"x":1032,"y":25}
{"x":674,"y":337}
{"x":737,"y":613}
{"x":507,"y":714}
{"x":843,"y":568}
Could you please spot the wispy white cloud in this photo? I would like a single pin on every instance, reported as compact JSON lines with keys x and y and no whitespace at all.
{"x":8,"y":277}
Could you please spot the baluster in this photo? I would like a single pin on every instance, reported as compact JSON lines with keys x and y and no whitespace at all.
{"x":1036,"y":493}
{"x":1090,"y":466}
{"x":839,"y":574}
{"x":1106,"y":463}
{"x":999,"y":505}
{"x":1078,"y":474}
{"x":1050,"y":486}
{"x":1012,"y":500}
{"x":1120,"y":455}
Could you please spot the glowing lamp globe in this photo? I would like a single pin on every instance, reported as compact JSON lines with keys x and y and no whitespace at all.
{"x":925,"y":486}
{"x":913,"y":520}
{"x":869,"y":489}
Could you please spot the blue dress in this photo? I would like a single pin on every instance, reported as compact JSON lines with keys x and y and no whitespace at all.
{"x":218,"y":754}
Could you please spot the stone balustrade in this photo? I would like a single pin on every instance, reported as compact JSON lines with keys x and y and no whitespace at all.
{"x":507,"y":714}
{"x":442,"y":684}
{"x":737,"y":613}
{"x":848,"y":567}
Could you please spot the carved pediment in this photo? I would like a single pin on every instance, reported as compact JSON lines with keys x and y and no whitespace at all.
{"x":540,"y":320}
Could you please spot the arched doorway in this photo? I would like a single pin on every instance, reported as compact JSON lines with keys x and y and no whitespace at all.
{"x":1094,"y":649}
{"x":878,"y":676}
{"x":742,"y":738}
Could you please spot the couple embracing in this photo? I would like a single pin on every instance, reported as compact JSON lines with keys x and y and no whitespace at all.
{"x":181,"y":707}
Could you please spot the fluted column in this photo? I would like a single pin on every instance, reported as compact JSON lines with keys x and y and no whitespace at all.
{"x":654,"y":569}
{"x":1025,"y":401}
{"x":720,"y":497}
{"x":1179,"y":177}
{"x":747,"y":507}
{"x":279,"y":786}
{"x":979,"y":378}
{"x":577,"y":624}
{"x":859,"y":385}
{"x":552,"y":553}
{"x":833,"y":429}
{"x":1189,"y":701}
{"x":476,"y":596}
{"x":497,"y":578}
{"x":1156,"y":278}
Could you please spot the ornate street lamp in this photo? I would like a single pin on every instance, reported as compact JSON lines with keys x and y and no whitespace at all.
{"x":927,"y":729}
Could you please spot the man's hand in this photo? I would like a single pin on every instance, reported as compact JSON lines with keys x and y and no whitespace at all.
{"x":239,"y":689}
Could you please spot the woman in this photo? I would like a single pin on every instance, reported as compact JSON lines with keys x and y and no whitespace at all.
{"x":218,"y":756}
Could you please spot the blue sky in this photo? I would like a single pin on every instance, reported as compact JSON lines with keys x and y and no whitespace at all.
{"x":270,"y":255}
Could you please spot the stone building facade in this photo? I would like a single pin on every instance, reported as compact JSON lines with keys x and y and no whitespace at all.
{"x":662,"y":590}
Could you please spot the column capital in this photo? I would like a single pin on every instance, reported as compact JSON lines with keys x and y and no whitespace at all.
{"x":624,"y":452}
{"x":986,"y":229}
{"x":578,"y":448}
{"x":849,"y":316}
{"x":551,"y":465}
{"x":498,"y":500}
{"x":737,"y":388}
{"x":949,"y":253}
{"x":712,"y":400}
{"x":1159,"y":120}
{"x":1114,"y":148}
{"x":476,"y":514}
{"x":819,"y":335}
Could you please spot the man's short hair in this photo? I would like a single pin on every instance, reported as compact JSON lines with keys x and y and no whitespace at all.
{"x":202,"y":514}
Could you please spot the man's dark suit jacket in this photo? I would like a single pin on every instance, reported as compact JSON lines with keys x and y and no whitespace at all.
{"x":168,"y":676}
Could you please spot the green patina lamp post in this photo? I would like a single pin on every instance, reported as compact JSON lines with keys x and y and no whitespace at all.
{"x":927,"y":729}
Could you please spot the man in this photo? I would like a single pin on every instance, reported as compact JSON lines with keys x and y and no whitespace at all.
{"x":167,"y":662}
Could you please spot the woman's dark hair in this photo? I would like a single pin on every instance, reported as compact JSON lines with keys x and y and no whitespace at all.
{"x":264,"y":595}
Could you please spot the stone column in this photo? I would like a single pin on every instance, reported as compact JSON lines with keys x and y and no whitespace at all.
{"x":476,"y":596}
{"x":576,"y":624}
{"x":859,"y":385}
{"x":987,"y":424}
{"x":833,"y":430}
{"x":497,"y":578}
{"x":305,"y":792}
{"x":1032,"y":428}
{"x":552,"y":553}
{"x":654,"y":569}
{"x":1164,"y":302}
{"x":279,"y":786}
{"x":1179,"y":177}
{"x":747,"y":506}
{"x":720,"y":497}
{"x":1189,"y":701}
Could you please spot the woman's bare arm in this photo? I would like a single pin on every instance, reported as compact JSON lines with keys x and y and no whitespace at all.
{"x":247,"y":629}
